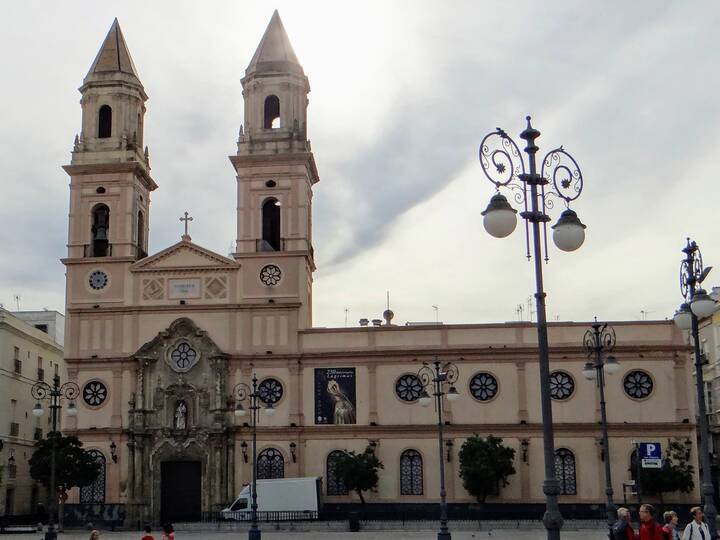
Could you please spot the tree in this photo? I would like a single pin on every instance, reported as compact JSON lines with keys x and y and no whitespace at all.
{"x":676,"y":473}
{"x":74,"y":467}
{"x":485,"y":463}
{"x":359,"y":472}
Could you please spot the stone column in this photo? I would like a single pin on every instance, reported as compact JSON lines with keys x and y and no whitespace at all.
{"x":116,"y":419}
{"x":372,"y":394}
{"x":524,"y":471}
{"x":295,"y":390}
{"x":72,"y":375}
{"x":522,"y":392}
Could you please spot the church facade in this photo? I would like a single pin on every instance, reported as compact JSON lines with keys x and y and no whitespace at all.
{"x":158,"y":343}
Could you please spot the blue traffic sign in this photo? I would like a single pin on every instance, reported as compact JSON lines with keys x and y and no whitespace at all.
{"x":650,"y":450}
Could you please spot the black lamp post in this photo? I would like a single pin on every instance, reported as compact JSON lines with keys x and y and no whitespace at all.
{"x":559,"y":178}
{"x":242,"y":392}
{"x":698,"y":304}
{"x":435,"y":377}
{"x":42,"y":391}
{"x":598,"y":342}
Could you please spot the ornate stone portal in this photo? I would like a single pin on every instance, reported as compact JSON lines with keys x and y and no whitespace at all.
{"x":179,"y":413}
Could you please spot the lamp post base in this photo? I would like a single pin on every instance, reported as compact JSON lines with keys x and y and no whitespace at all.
{"x":51,"y":534}
{"x":444,"y":535}
{"x":254,"y":534}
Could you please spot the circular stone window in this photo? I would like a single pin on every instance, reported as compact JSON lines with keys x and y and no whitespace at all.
{"x":271,"y":183}
{"x":483,"y":386}
{"x":100,"y":190}
{"x":270,"y":275}
{"x":183,"y":356}
{"x":562,"y":385}
{"x":638,"y":384}
{"x":270,"y":391}
{"x":408,"y":388}
{"x":98,"y":279}
{"x":94,"y":393}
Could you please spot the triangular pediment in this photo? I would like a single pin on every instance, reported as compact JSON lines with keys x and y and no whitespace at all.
{"x":184,"y":256}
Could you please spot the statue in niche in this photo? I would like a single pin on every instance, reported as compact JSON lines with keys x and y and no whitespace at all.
{"x":181,"y":415}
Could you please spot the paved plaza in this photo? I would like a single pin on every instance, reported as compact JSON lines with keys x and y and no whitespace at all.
{"x":496,"y":534}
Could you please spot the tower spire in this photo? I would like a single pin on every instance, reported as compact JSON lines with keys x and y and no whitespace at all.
{"x":113,"y":55}
{"x":274,"y":53}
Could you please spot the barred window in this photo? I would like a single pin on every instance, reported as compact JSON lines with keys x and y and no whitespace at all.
{"x":335,"y":485}
{"x":95,"y":492}
{"x":565,"y":471}
{"x":271,"y":464}
{"x":411,"y":473}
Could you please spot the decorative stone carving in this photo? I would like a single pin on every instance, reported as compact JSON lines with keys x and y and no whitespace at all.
{"x":153,"y":288}
{"x":216,"y":287}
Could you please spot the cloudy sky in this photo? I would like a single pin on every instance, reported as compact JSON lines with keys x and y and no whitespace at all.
{"x":402,"y":94}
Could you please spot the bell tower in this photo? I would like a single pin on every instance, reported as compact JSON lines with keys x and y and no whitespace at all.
{"x":276,"y":172}
{"x":110,"y":172}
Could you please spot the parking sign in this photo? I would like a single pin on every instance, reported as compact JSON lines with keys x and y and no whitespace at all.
{"x":651,"y":455}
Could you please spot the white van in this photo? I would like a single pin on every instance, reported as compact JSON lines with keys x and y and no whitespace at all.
{"x":278,"y":499}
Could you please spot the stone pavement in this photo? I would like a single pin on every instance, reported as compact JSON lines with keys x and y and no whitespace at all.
{"x":496,"y":534}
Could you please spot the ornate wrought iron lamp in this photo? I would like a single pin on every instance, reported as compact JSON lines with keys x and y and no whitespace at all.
{"x":698,"y":305}
{"x":242,"y":392}
{"x":54,"y":394}
{"x":434,"y":378}
{"x":598,"y":342}
{"x":560,"y":178}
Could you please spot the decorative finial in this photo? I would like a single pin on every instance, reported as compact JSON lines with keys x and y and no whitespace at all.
{"x":76,"y":144}
{"x":242,"y":129}
{"x":528,"y":121}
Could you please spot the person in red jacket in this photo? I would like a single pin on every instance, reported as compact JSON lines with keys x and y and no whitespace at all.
{"x":649,"y":528}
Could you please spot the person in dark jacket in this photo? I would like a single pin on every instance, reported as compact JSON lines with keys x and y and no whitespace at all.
{"x":622,"y":529}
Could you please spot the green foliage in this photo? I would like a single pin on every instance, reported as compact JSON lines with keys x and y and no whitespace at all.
{"x":74,"y":467}
{"x":485,"y":463}
{"x":359,"y":472}
{"x":675,"y":475}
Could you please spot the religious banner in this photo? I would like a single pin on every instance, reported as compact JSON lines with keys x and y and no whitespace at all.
{"x":335,"y":396}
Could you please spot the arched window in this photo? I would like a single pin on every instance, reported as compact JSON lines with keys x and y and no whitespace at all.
{"x":141,"y":234}
{"x":270,"y":225}
{"x":104,"y":122}
{"x":270,"y":464}
{"x":95,"y":492}
{"x":411,"y":473}
{"x":272,"y":112}
{"x":335,"y":485}
{"x":99,"y":230}
{"x":565,"y":471}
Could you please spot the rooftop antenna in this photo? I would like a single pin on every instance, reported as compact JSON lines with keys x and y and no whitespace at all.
{"x":17,"y":301}
{"x":644,"y":314}
{"x":437,"y":313}
{"x":388,"y":313}
{"x":519,"y":310}
{"x":347,"y":310}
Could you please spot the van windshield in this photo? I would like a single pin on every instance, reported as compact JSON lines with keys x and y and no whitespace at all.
{"x":240,"y":504}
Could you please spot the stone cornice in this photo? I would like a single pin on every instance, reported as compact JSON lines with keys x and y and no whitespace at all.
{"x":104,"y":168}
{"x":303,"y":158}
{"x":182,"y":308}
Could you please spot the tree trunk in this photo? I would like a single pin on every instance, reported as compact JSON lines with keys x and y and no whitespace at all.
{"x":362,"y":499}
{"x":61,"y":511}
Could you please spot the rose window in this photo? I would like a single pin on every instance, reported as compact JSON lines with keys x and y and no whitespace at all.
{"x":483,"y":386}
{"x":270,"y":275}
{"x":270,"y":391}
{"x":408,"y":388}
{"x":95,"y":393}
{"x":183,"y":356}
{"x":562,"y":385}
{"x":638,"y":384}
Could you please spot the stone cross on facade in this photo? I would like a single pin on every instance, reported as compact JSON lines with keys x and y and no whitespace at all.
{"x":186,"y":219}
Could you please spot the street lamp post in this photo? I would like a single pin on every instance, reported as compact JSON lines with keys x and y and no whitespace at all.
{"x":241,"y":393}
{"x":598,"y":342}
{"x":560,"y":178}
{"x":42,"y":391}
{"x":435,"y":377}
{"x":698,"y":304}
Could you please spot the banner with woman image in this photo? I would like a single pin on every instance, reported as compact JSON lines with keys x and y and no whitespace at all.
{"x":335,"y":396}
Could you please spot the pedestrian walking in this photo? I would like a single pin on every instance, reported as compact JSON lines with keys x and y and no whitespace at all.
{"x":697,"y":529}
{"x":95,"y":535}
{"x":147,"y":535}
{"x":168,"y":532}
{"x":670,"y":530}
{"x":622,"y":529}
{"x":649,"y":528}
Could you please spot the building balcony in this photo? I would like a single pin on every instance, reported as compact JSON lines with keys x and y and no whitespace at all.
{"x":14,"y":429}
{"x":18,"y":366}
{"x":40,"y":374}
